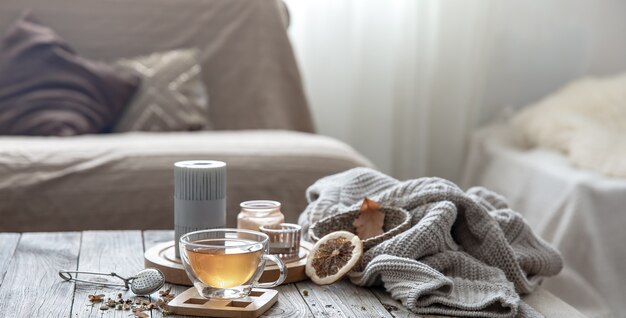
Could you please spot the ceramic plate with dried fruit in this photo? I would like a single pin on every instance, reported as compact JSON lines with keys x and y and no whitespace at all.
{"x":333,"y":256}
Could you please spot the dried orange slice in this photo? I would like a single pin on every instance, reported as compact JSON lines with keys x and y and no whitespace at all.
{"x":333,"y":256}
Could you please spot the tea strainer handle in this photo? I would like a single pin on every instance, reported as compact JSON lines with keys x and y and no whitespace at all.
{"x":281,"y":268}
{"x":67,"y":276}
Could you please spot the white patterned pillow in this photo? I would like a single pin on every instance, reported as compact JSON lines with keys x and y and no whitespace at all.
{"x":172,"y":96}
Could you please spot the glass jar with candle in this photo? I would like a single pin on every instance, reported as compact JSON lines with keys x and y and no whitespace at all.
{"x":259,"y":212}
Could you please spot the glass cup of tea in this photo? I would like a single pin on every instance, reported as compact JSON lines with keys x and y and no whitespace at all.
{"x":227,"y":263}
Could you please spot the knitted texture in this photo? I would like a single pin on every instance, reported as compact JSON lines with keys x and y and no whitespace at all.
{"x":466,"y":255}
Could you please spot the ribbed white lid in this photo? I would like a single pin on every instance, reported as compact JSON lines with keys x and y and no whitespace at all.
{"x":199,"y":180}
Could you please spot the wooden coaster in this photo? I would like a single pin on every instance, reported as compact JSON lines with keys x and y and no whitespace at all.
{"x":162,"y":257}
{"x":190,"y":303}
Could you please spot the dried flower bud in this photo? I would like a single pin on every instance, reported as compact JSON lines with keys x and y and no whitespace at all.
{"x":164,"y":292}
{"x":95,"y":298}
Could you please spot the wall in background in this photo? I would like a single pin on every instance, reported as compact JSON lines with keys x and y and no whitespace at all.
{"x":405,"y":82}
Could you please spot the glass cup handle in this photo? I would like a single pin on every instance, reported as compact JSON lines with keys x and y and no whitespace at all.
{"x":281,"y":268}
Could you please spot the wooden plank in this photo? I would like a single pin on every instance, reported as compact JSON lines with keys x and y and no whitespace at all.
{"x":154,"y":237}
{"x":8,"y":243}
{"x":394,"y":307}
{"x":290,"y":302}
{"x":341,"y":299}
{"x":106,"y":251}
{"x":31,"y":286}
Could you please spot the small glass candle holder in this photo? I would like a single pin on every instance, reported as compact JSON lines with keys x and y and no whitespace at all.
{"x":284,"y":240}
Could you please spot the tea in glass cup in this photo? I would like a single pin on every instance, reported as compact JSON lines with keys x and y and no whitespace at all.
{"x":227,"y":263}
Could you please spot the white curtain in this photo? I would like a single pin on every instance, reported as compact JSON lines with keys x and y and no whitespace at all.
{"x":405,"y":82}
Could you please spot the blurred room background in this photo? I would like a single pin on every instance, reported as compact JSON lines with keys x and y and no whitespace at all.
{"x":406,"y":82}
{"x":525,"y":98}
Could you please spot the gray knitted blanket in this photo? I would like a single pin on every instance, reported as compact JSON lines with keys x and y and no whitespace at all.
{"x":466,"y":255}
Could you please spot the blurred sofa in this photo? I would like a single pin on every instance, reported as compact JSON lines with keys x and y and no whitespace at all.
{"x":262,"y":126}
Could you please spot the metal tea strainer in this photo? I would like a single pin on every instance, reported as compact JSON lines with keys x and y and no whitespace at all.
{"x":143,"y":283}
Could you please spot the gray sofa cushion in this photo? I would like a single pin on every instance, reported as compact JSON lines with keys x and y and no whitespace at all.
{"x":46,"y":88}
{"x":247,"y":61}
{"x":125,"y":181}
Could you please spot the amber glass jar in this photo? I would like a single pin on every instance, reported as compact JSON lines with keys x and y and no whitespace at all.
{"x":259,"y":212}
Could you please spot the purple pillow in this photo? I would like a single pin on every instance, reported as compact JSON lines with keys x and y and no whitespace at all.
{"x":46,"y":88}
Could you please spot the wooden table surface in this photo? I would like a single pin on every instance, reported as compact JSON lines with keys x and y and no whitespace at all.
{"x":30,"y":285}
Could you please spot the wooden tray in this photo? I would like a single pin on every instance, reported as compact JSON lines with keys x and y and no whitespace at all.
{"x":190,"y":303}
{"x":162,"y":257}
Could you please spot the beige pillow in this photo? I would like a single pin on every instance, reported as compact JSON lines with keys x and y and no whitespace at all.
{"x":172,"y":96}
